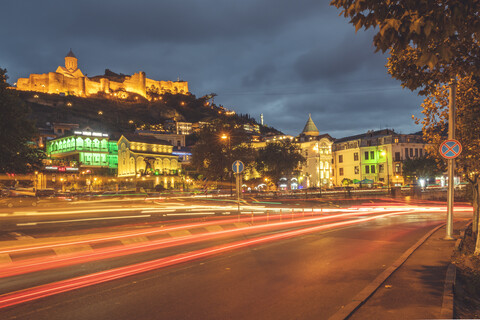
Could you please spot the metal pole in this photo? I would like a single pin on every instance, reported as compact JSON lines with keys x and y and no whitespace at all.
{"x":239,"y":185}
{"x":451,"y":162}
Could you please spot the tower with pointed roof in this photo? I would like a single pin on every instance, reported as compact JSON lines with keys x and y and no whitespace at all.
{"x":310,"y":128}
{"x":71,"y":62}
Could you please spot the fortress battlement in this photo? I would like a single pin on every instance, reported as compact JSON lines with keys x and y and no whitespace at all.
{"x":69,"y":79}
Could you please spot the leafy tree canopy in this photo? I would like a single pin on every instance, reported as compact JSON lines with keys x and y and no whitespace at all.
{"x":415,"y":22}
{"x":430,"y":41}
{"x":278,"y":159}
{"x":212,"y":155}
{"x":425,"y":167}
{"x":18,"y":152}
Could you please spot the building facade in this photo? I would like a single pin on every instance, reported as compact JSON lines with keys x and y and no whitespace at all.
{"x":316,"y":172}
{"x":374,"y":157}
{"x":143,"y":156}
{"x":84,"y":149}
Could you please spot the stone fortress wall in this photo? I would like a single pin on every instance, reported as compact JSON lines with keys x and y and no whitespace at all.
{"x":70,"y":80}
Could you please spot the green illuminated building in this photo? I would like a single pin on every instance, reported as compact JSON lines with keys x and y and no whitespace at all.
{"x":86,"y":149}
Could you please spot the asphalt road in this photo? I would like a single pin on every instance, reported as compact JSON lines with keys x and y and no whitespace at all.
{"x":306,"y":277}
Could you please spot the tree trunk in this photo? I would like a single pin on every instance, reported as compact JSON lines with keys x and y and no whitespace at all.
{"x":476,"y":188}
{"x":475,"y":204}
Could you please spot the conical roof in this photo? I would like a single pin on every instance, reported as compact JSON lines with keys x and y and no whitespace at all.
{"x":310,"y":127}
{"x":70,"y":54}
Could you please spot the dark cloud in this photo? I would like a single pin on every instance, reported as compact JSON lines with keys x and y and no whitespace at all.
{"x":284,"y":59}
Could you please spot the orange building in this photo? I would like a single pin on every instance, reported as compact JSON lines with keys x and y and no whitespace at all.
{"x":70,"y":80}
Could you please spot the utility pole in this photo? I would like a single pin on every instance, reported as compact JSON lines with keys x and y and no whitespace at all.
{"x":451,"y":162}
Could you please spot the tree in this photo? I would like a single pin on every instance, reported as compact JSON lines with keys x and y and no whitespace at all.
{"x":213,"y":156}
{"x":467,"y":127}
{"x":18,"y":153}
{"x":437,"y":28}
{"x":431,"y":43}
{"x":425,"y":167}
{"x":278,"y":159}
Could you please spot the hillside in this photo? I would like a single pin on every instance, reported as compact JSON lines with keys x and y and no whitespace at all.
{"x":114,"y":115}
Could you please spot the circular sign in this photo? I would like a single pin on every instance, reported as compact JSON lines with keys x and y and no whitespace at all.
{"x":450,"y":149}
{"x":238,"y":166}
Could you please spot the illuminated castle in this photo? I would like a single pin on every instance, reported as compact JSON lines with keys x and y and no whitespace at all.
{"x":71,"y":80}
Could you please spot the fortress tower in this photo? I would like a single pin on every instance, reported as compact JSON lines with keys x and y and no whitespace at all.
{"x":71,"y":61}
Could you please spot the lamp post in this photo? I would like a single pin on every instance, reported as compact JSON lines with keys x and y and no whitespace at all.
{"x":385,"y":154}
{"x":226,"y":137}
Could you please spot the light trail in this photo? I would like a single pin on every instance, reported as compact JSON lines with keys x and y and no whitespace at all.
{"x":152,"y":231}
{"x":85,"y":219}
{"x":44,"y":263}
{"x":50,"y":289}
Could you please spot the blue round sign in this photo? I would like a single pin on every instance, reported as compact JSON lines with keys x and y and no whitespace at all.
{"x":238,"y":166}
{"x":450,"y":149}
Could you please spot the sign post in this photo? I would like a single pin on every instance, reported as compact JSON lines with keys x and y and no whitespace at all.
{"x":237,"y":168}
{"x":450,"y":149}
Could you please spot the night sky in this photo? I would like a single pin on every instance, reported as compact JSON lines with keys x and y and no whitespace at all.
{"x":284,"y":59}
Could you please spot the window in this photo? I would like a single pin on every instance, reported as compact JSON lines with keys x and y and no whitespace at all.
{"x":397,"y":168}
{"x":340,"y":158}
{"x":355,"y":156}
{"x":421,"y":153}
{"x":416,"y":153}
{"x":411,"y":152}
{"x":366,"y":155}
{"x":372,"y":155}
{"x":357,"y":169}
{"x":367,"y":169}
{"x":340,"y":171}
{"x":397,"y":156}
{"x":372,"y":168}
{"x":396,"y":140}
{"x":406,"y":153}
{"x":380,"y":168}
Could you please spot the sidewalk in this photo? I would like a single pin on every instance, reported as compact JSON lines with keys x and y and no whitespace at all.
{"x":416,"y":289}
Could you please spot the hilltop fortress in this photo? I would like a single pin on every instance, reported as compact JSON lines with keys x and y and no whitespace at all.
{"x":70,"y":80}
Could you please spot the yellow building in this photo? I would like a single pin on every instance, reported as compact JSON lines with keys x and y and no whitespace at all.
{"x":317,"y":149}
{"x":147,"y":157}
{"x":375,"y":157}
{"x":70,"y":80}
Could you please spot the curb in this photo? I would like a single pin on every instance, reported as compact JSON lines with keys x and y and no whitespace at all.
{"x":448,"y":301}
{"x":370,"y":289}
{"x":448,"y":293}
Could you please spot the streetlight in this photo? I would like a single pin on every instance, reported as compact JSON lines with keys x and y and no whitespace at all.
{"x":384,"y":154}
{"x":226,"y":137}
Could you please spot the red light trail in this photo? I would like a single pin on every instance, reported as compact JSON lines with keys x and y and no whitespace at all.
{"x":46,"y":290}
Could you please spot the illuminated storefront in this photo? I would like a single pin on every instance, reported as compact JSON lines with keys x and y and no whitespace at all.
{"x":86,"y":149}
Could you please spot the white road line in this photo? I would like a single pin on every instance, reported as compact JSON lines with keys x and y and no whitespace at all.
{"x":191,"y":214}
{"x":78,"y":220}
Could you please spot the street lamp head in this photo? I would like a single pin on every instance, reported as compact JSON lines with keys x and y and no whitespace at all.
{"x":383,"y":153}
{"x":224,"y":136}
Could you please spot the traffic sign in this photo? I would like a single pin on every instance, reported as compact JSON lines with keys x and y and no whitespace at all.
{"x":450,"y":149}
{"x":238,"y":166}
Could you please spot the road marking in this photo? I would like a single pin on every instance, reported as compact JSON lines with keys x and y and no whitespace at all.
{"x":191,"y":214}
{"x":5,"y":258}
{"x":134,"y":240}
{"x":20,"y":236}
{"x":72,"y":249}
{"x":180,"y":233}
{"x":79,"y":220}
{"x":157,"y":211}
